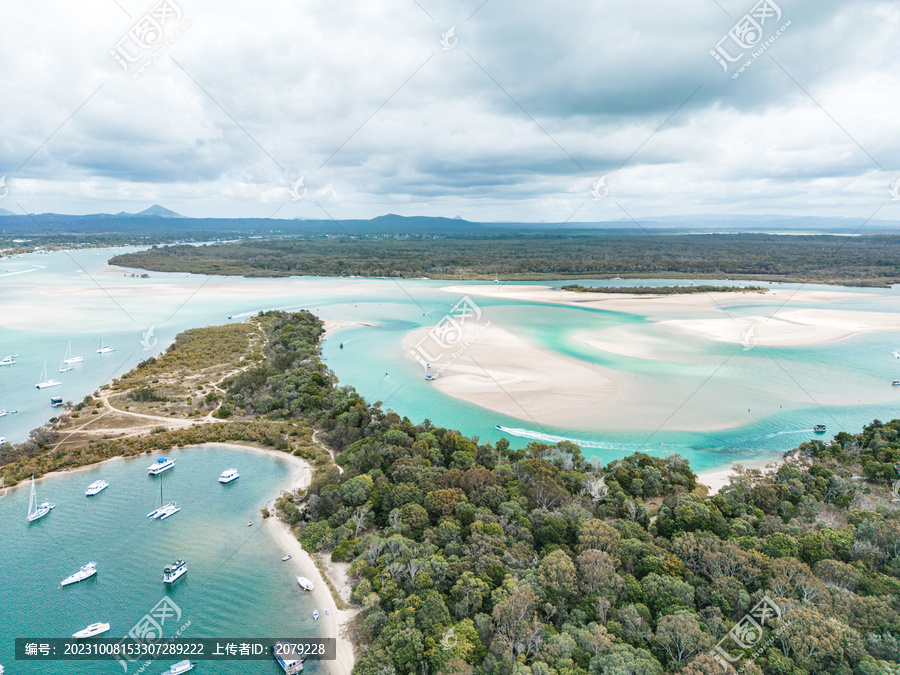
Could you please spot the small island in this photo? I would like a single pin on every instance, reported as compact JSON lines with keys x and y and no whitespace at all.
{"x":662,"y":290}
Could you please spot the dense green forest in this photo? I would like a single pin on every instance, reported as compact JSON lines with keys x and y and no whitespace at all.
{"x":864,"y":260}
{"x":662,"y":290}
{"x":476,"y":558}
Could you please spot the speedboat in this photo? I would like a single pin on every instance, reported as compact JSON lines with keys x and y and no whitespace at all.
{"x":96,"y":487}
{"x":896,"y":383}
{"x":819,"y":428}
{"x":160,"y":465}
{"x":315,"y":615}
{"x":4,"y":413}
{"x":180,"y":667}
{"x":229,"y":475}
{"x":92,"y":630}
{"x":85,"y":572}
{"x":8,"y":360}
{"x":305,"y":583}
{"x":174,"y":571}
{"x":286,"y":558}
{"x":2,"y":440}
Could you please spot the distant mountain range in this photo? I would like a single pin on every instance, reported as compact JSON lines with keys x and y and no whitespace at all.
{"x":158,"y":221}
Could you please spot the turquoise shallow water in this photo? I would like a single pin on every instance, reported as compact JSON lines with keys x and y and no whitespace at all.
{"x":76,"y":296}
{"x":236,"y":585}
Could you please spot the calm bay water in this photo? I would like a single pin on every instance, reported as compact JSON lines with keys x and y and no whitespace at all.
{"x":236,"y":585}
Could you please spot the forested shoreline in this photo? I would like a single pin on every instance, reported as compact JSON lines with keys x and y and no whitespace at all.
{"x":856,"y":261}
{"x":469,"y":557}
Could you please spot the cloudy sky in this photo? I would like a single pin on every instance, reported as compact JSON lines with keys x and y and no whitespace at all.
{"x":491,"y":110}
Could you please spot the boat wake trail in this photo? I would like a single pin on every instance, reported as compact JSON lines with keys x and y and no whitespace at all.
{"x":551,"y":438}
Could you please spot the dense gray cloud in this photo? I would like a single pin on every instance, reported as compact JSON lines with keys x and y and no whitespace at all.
{"x":532,"y":104}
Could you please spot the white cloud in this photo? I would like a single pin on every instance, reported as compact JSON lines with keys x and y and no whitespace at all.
{"x":289,"y":86}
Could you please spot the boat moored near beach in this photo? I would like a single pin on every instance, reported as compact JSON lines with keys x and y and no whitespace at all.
{"x":305,"y":583}
{"x":160,"y":465}
{"x":282,"y":651}
{"x":34,"y":511}
{"x":96,"y":487}
{"x":229,"y":475}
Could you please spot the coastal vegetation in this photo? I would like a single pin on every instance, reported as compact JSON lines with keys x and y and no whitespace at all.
{"x":469,"y":557}
{"x":858,"y":261}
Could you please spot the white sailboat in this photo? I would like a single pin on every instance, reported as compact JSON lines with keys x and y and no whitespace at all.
{"x":35,"y":511}
{"x":44,"y":383}
{"x":69,"y":359}
{"x":105,"y":349}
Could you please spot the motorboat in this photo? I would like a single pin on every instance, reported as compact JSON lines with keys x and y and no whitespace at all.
{"x":286,"y":558}
{"x":315,"y":615}
{"x":172,"y":572}
{"x":86,"y":572}
{"x":92,"y":630}
{"x":305,"y":583}
{"x":96,"y":487}
{"x":229,"y":475}
{"x":160,"y":465}
{"x":180,"y":667}
{"x":8,"y":360}
{"x":819,"y":428}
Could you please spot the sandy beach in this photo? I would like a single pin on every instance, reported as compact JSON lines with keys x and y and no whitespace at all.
{"x":503,"y":371}
{"x":334,"y":325}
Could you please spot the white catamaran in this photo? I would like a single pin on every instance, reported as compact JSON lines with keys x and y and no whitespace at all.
{"x":44,"y":383}
{"x":163,"y":511}
{"x":35,"y":511}
{"x":69,"y":359}
{"x":105,"y":349}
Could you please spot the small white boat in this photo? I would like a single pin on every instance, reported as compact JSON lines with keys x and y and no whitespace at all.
{"x":92,"y":630}
{"x":160,"y":465}
{"x":68,"y":359}
{"x":286,"y":558}
{"x":45,"y":383}
{"x":174,"y":571}
{"x":305,"y":583}
{"x":65,"y":370}
{"x":86,"y":572}
{"x":35,"y":511}
{"x":4,"y":413}
{"x":180,"y":667}
{"x":229,"y":475}
{"x":896,"y":383}
{"x":2,"y":440}
{"x":105,"y":349}
{"x":8,"y":361}
{"x":315,"y":615}
{"x":56,"y":401}
{"x":96,"y":487}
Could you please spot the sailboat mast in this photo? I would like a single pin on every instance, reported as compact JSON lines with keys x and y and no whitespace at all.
{"x":32,"y":500}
